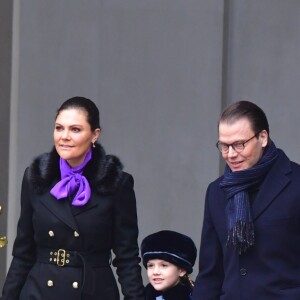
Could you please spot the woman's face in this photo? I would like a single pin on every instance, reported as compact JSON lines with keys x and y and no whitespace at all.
{"x":73,"y":136}
{"x":163,"y":275}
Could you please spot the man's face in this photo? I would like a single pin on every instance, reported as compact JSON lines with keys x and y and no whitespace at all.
{"x":241,"y":131}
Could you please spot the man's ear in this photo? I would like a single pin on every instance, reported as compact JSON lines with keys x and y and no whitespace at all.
{"x":263,"y":137}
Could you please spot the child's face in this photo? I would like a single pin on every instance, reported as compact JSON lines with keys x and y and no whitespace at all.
{"x":163,"y":275}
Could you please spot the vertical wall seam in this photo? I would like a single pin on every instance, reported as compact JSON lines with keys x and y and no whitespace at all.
{"x":12,"y":161}
{"x":225,"y":50}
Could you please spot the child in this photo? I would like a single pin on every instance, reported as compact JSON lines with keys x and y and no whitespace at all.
{"x":169,"y":257}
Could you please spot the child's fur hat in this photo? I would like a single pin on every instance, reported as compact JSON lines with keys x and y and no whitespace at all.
{"x":170,"y":246}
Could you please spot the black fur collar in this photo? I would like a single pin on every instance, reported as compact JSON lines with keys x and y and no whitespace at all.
{"x":103,"y":171}
{"x":178,"y":292}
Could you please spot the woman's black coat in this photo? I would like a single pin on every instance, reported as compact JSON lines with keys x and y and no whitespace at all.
{"x":107,"y":222}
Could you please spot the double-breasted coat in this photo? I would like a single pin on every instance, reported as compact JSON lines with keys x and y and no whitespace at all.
{"x":64,"y":252}
{"x":271,"y":268}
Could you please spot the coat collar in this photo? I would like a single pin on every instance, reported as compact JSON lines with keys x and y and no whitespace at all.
{"x":60,"y":208}
{"x":103,"y":171}
{"x":178,"y":292}
{"x":276,"y":180}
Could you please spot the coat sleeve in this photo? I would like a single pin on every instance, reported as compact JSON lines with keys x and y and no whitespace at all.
{"x":125,"y":244}
{"x":23,"y":249}
{"x":209,"y":280}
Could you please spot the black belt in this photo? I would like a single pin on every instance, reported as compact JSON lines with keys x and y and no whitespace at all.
{"x":62,"y":257}
{"x":86,"y":260}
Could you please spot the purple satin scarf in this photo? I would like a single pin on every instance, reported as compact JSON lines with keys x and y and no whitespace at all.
{"x":72,"y":181}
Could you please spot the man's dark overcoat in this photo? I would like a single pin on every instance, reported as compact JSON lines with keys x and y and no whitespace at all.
{"x":47,"y":227}
{"x":270,"y":270}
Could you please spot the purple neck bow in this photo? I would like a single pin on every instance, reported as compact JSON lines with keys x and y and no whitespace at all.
{"x":72,"y":181}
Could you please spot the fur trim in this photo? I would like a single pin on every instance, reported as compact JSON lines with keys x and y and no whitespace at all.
{"x":178,"y":292}
{"x":171,"y":246}
{"x":103,"y":172}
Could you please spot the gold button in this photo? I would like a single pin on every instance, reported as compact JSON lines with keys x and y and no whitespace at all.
{"x":51,"y":233}
{"x":76,"y":234}
{"x":50,"y":283}
{"x":75,"y":285}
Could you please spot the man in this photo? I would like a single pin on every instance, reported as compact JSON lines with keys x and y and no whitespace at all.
{"x":250,"y":244}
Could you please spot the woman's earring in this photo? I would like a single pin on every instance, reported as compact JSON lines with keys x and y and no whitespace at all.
{"x":94,"y":146}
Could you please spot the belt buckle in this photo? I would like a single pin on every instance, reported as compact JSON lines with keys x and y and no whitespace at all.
{"x":61,"y":257}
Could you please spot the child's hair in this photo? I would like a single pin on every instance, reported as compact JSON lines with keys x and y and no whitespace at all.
{"x":186,"y":280}
{"x":171,"y":246}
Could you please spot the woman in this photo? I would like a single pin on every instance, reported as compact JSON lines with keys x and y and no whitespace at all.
{"x":76,"y":206}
